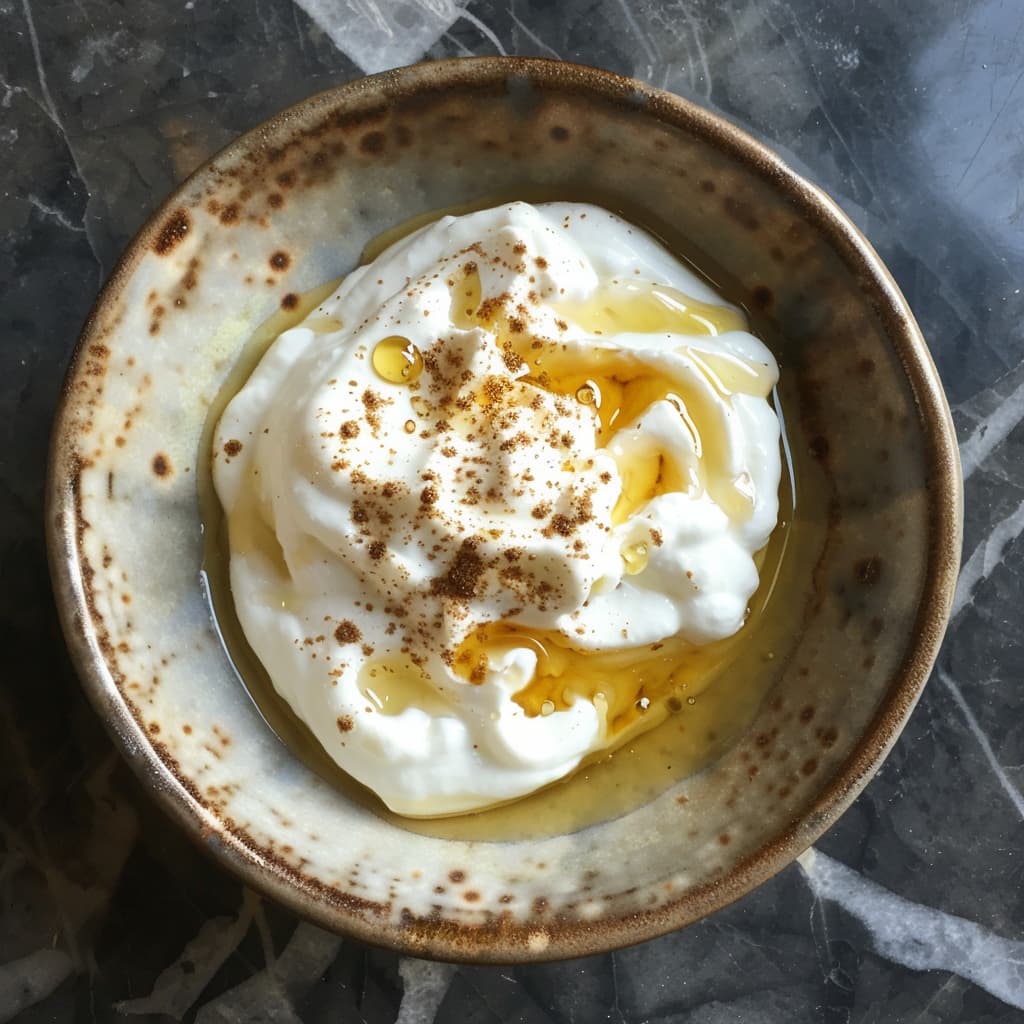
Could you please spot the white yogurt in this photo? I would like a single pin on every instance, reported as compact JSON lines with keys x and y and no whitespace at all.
{"x":376,"y":523}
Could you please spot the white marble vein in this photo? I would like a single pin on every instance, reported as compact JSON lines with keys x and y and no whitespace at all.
{"x":49,"y":108}
{"x":44,"y":88}
{"x":179,"y":986}
{"x":424,"y":986}
{"x":10,"y":91}
{"x":30,"y":979}
{"x":381,"y":34}
{"x":266,"y":998}
{"x":641,"y":37}
{"x":531,"y":35}
{"x":985,"y":558}
{"x":1012,"y":792}
{"x":991,"y":428}
{"x":484,"y":30}
{"x":920,"y":937}
{"x":54,"y":214}
{"x":675,"y":25}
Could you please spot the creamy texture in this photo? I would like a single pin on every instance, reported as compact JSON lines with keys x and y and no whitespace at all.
{"x":478,"y":497}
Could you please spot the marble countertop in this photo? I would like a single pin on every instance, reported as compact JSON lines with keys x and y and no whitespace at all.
{"x":911,"y":909}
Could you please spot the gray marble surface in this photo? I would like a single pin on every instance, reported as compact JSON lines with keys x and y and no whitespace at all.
{"x":911,"y":114}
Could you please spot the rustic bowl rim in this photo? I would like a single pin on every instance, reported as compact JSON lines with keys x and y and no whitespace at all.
{"x":944,"y":481}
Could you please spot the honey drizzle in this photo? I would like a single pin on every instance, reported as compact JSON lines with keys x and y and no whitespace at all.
{"x":629,"y":686}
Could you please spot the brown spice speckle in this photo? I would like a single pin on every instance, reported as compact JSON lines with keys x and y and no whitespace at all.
{"x":347,"y":632}
{"x":463,"y":576}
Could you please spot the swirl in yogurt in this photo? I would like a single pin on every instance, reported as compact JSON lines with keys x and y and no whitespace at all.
{"x":487,"y":501}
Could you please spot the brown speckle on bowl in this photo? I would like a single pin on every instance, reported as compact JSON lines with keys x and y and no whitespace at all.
{"x":818,"y":447}
{"x":161,"y":465}
{"x":173,"y":231}
{"x":868,"y":571}
{"x":373,"y":143}
{"x":741,"y":213}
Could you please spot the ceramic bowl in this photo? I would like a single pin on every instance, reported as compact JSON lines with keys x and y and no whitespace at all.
{"x":290,"y":205}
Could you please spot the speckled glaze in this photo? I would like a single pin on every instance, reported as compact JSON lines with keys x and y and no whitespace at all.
{"x":289,"y":206}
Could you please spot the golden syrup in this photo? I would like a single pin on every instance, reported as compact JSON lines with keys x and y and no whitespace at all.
{"x":420,"y":405}
{"x":393,"y":685}
{"x":635,"y":558}
{"x":619,"y":387}
{"x":324,"y":324}
{"x":725,"y":683}
{"x":467,"y":293}
{"x":636,"y":308}
{"x":620,"y":679}
{"x":397,"y":360}
{"x":632,"y":685}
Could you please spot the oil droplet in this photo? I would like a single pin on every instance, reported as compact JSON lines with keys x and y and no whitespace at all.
{"x":397,"y":360}
{"x":410,"y":426}
{"x":635,"y":556}
{"x":547,"y":708}
{"x":691,"y":700}
{"x":420,"y":405}
{"x":589,"y":394}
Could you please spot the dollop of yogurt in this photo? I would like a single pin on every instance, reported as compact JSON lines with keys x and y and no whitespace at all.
{"x":517,"y":442}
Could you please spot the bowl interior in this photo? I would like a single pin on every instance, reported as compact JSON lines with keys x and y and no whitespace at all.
{"x":857,"y":611}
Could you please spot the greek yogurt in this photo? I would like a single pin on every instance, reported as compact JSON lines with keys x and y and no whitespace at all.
{"x":521,"y":449}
